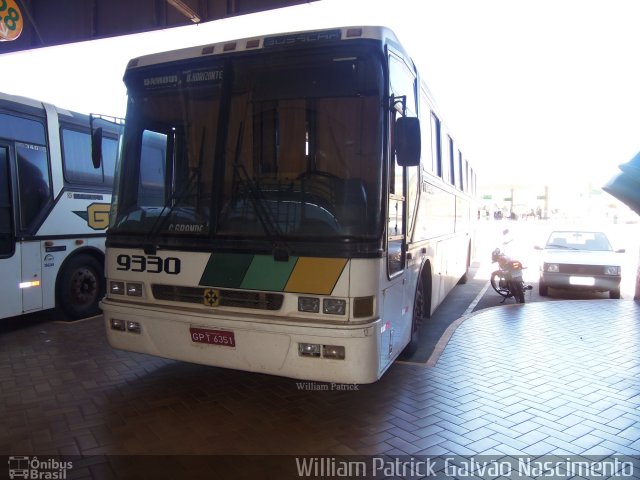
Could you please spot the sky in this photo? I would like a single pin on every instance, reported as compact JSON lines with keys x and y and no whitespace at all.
{"x":536,"y":92}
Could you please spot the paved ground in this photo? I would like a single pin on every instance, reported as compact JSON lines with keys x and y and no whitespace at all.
{"x":542,"y":378}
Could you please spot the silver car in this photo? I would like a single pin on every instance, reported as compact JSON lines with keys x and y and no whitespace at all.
{"x":580,"y":260}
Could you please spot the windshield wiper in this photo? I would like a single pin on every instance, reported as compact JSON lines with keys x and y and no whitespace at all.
{"x":149,"y":244}
{"x":557,"y":245}
{"x":270,"y":226}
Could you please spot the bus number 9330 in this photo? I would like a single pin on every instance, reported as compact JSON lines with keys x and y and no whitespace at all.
{"x":150,"y":264}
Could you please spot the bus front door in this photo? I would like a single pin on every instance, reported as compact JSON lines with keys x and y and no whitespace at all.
{"x":10,"y":264}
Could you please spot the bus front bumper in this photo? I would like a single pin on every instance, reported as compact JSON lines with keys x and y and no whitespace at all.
{"x":265,"y":345}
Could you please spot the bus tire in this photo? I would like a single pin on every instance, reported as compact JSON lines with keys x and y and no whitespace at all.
{"x":421,"y":311}
{"x":81,"y":286}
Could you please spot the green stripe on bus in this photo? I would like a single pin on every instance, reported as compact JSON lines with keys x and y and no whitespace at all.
{"x":226,"y":270}
{"x":266,"y":274}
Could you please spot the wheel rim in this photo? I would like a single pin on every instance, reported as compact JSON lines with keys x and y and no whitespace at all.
{"x":84,"y":287}
{"x":495,"y":283}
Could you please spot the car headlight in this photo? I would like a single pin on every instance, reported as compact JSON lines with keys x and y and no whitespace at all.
{"x":611,"y":270}
{"x":551,"y":267}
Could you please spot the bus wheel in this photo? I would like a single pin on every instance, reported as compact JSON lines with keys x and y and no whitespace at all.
{"x":81,"y":286}
{"x":416,"y":322}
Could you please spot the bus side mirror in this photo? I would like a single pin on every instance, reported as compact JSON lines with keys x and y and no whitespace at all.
{"x":96,"y":147}
{"x":407,"y":141}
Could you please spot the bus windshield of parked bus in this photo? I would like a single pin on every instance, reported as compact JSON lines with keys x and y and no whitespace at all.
{"x":255,"y":146}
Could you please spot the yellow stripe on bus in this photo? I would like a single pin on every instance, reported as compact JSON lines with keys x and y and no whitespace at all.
{"x":315,"y":275}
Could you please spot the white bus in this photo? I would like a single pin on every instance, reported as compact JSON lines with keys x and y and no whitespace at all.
{"x":273,"y":212}
{"x":53,"y":209}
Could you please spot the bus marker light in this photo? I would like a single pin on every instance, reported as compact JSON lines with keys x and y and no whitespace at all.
{"x":118,"y":325}
{"x":116,"y":288}
{"x":363,"y":307}
{"x":134,"y":289}
{"x":34,"y":283}
{"x":336,"y":352}
{"x":309,"y":350}
{"x":334,"y":306}
{"x":354,"y":32}
{"x":309,"y":304}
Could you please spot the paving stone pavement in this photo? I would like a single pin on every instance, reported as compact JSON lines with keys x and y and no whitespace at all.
{"x":546,"y":378}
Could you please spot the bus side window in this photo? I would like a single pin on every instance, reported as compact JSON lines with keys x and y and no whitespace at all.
{"x":33,"y":182}
{"x":76,"y":152}
{"x":6,"y":226}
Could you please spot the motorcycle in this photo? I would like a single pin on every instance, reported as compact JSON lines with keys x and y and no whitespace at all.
{"x":507,"y":280}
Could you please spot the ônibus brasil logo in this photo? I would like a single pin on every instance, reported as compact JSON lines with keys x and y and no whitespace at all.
{"x":34,"y":469}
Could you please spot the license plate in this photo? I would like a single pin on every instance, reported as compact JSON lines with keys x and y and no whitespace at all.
{"x":582,"y":281}
{"x":223,"y":338}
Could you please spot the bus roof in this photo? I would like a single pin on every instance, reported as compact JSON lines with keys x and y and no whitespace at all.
{"x":266,"y":42}
{"x":19,"y":103}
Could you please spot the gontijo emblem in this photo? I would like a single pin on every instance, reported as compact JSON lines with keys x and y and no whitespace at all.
{"x":11,"y":23}
{"x":96,"y":215}
{"x":211,"y":295}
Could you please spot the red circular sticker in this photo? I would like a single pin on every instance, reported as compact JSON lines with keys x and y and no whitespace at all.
{"x":10,"y":20}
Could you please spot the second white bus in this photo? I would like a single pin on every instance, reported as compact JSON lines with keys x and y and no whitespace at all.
{"x":53,"y":209}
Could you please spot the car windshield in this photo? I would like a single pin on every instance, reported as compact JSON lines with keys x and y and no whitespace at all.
{"x":284,"y":146}
{"x":575,"y":240}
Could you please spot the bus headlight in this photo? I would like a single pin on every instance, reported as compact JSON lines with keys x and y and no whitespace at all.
{"x":134,"y":289}
{"x":116,"y":288}
{"x":309,"y":304}
{"x":119,"y":325}
{"x":551,"y":267}
{"x":309,"y":349}
{"x":333,"y":351}
{"x":334,"y":306}
{"x":133,"y":327}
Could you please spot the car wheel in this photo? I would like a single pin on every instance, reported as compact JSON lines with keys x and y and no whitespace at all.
{"x":543,"y":290}
{"x":614,"y":293}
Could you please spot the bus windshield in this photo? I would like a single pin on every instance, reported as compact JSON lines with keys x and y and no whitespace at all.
{"x":254,"y":146}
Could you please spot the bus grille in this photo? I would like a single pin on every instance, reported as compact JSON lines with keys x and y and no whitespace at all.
{"x":224,"y":298}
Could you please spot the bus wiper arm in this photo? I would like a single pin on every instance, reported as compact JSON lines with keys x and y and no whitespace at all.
{"x":149,"y":244}
{"x":270,"y":226}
